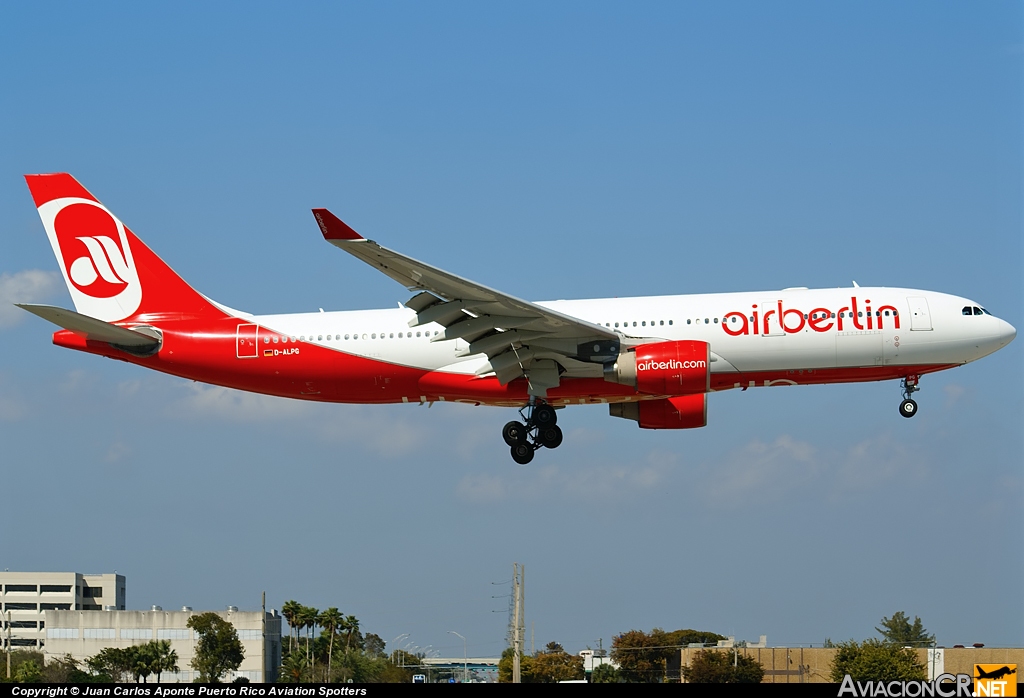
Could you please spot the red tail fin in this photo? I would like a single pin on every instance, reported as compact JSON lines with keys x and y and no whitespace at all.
{"x":110,"y":273}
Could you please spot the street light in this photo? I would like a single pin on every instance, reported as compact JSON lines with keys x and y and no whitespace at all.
{"x":393,"y":644}
{"x":465,"y":658}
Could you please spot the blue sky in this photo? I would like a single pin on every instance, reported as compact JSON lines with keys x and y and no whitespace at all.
{"x":566,"y":151}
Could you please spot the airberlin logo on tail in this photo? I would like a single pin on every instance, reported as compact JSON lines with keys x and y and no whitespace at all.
{"x":92,"y":246}
{"x":104,"y":262}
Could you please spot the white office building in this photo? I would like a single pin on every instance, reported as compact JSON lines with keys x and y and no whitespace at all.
{"x":84,"y":634}
{"x":25,"y":597}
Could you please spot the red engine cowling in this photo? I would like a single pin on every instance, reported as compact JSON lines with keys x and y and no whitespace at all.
{"x":665,"y":368}
{"x":682,"y":412}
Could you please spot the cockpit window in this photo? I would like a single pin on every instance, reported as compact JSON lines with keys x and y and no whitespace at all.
{"x":985,"y":311}
{"x":977,"y":310}
{"x":966,"y":310}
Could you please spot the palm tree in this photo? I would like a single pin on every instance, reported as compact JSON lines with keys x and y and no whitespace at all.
{"x":330,"y":620}
{"x":290,"y":610}
{"x":294,"y":667}
{"x":352,"y":626}
{"x":165,"y":658}
{"x":307,"y":619}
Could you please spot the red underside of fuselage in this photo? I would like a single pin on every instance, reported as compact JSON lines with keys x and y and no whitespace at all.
{"x":209,"y":354}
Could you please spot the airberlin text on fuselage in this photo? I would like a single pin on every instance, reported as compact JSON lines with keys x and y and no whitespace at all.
{"x":857,"y":316}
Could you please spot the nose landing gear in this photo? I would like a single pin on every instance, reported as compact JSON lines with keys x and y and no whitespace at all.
{"x":538,"y":429}
{"x":908,"y":408}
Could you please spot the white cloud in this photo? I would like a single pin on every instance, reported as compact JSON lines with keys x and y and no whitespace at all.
{"x":236,"y":405}
{"x":954,"y":392}
{"x":599,"y":483}
{"x":763,"y":470}
{"x":117,"y":451}
{"x":11,"y":409}
{"x":29,"y":286}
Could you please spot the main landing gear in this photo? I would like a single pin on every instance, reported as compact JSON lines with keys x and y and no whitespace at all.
{"x":538,"y":430}
{"x":908,"y":408}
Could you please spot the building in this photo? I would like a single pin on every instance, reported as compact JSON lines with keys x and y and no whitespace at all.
{"x":27,"y":596}
{"x":83,"y":634}
{"x":814,"y":664}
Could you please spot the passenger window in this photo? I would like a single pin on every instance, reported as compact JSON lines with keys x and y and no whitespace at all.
{"x":887,"y":313}
{"x":634,"y":323}
{"x":662,"y":322}
{"x":716,"y":321}
{"x":687,"y":322}
{"x":644,"y":323}
{"x":346,"y":336}
{"x":706,"y":321}
{"x":417,"y":334}
{"x":670,"y":322}
{"x":616,"y":324}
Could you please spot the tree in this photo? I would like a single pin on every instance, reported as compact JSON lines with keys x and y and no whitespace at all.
{"x":307,"y":620}
{"x":901,"y":631}
{"x":604,"y":673}
{"x":115,"y":662}
{"x":290,"y":611}
{"x":218,"y":650}
{"x":163,"y":658}
{"x":330,"y":621}
{"x":505,"y":665}
{"x":293,"y":668}
{"x":654,"y":657}
{"x":554,"y":664}
{"x":715,"y":666}
{"x":374,"y":645}
{"x":876,"y":660}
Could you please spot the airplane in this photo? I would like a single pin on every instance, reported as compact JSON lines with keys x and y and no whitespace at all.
{"x":652,"y":360}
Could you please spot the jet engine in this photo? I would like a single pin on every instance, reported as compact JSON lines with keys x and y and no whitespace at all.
{"x":664,"y":368}
{"x":682,"y":412}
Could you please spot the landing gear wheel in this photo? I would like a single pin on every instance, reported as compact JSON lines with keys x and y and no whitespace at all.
{"x":514,"y":433}
{"x":908,"y":408}
{"x":522,"y":453}
{"x":544,"y":415}
{"x":549,"y":437}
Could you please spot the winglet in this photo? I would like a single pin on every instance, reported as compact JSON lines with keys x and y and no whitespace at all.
{"x":333,"y":227}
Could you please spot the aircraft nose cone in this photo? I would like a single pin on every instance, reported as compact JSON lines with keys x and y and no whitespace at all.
{"x":1006,"y":332}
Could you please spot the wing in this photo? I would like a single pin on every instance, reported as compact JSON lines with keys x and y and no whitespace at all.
{"x":518,"y":337}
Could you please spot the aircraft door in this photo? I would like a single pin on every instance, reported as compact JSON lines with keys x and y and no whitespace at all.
{"x":246,"y":342}
{"x":920,"y":318}
{"x":771,"y":324}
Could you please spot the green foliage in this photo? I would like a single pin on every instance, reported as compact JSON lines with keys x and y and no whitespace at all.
{"x":550,"y":665}
{"x":218,"y":650}
{"x":28,"y":672}
{"x":114,"y":662}
{"x":717,"y":666}
{"x":876,"y":660}
{"x":604,"y":673}
{"x":900,"y":630}
{"x":554,"y":664}
{"x":654,"y":657}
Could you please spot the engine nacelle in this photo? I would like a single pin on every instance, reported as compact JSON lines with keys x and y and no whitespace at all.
{"x":664,"y":368}
{"x":682,"y":412}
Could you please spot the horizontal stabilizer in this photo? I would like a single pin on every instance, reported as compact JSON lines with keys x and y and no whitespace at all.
{"x":91,"y":328}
